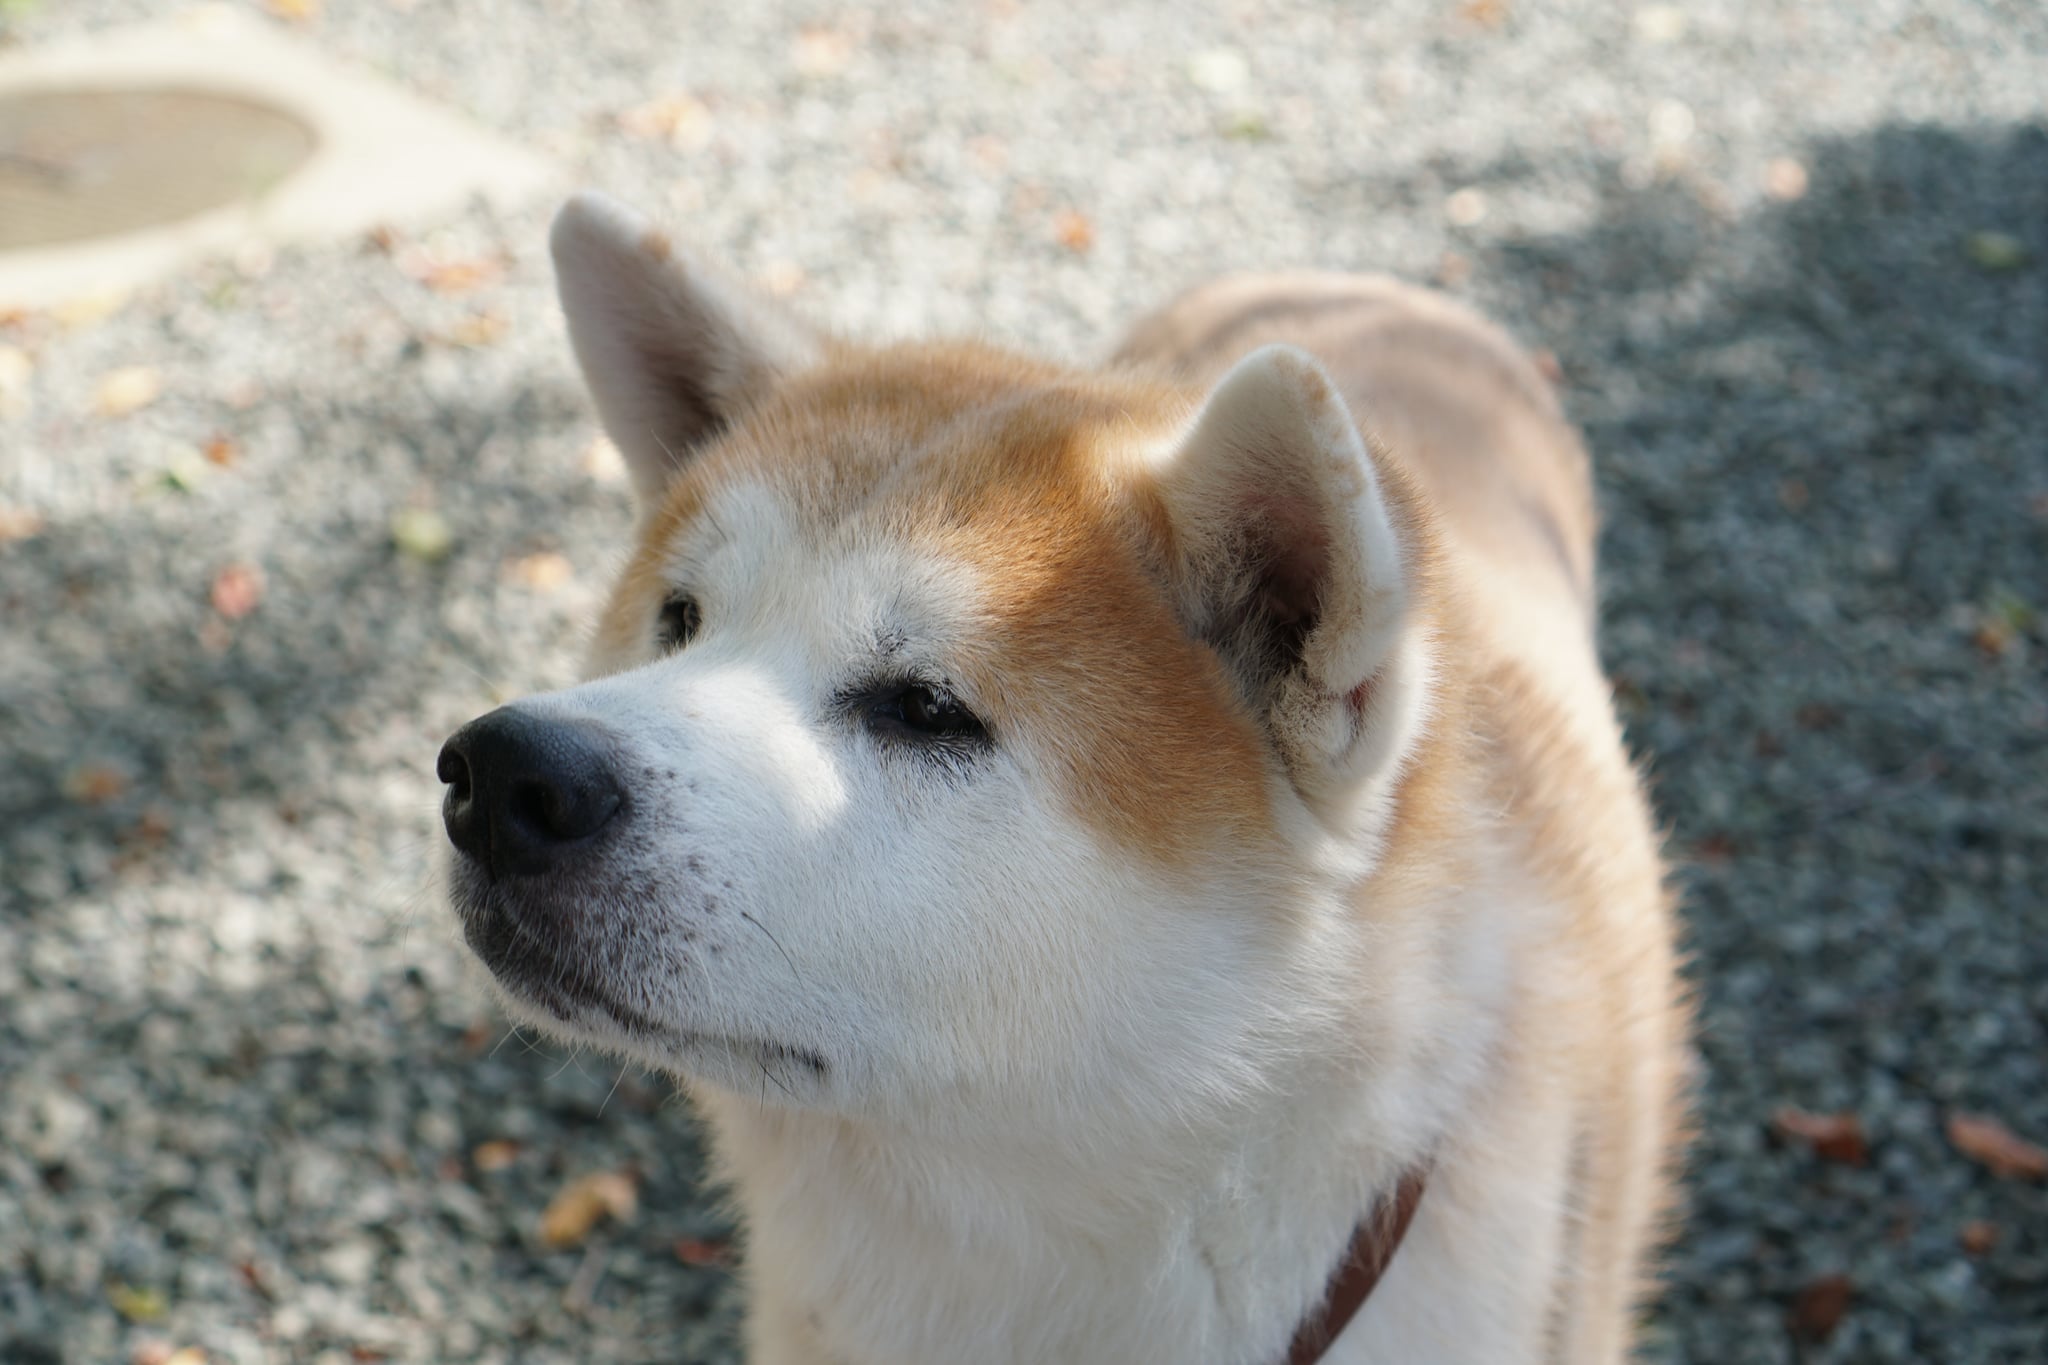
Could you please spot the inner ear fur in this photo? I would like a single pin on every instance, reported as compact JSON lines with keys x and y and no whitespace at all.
{"x":671,"y":352}
{"x":1290,"y":560}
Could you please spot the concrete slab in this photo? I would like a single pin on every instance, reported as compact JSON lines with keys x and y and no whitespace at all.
{"x":384,"y":155}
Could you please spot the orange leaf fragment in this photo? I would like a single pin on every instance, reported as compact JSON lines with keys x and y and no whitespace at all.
{"x":583,"y":1203}
{"x":1074,"y":229}
{"x":95,"y":784}
{"x":1977,"y":1236}
{"x":237,"y":589}
{"x":702,"y":1252}
{"x":1821,"y":1306}
{"x":1833,"y":1137}
{"x":495,"y":1155}
{"x":1997,"y":1148}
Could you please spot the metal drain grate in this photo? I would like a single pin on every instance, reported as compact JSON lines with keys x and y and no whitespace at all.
{"x":79,"y":164}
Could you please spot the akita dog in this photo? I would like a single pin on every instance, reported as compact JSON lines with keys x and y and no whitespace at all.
{"x":1128,"y":862}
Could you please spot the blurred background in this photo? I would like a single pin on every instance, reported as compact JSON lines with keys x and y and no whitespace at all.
{"x":296,"y":475}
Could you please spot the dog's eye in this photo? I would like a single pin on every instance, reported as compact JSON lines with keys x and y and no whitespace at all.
{"x":680,"y":617}
{"x":930,"y":711}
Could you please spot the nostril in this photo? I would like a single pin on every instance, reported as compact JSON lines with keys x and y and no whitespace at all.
{"x":538,"y":806}
{"x":453,"y":769}
{"x":561,"y":810}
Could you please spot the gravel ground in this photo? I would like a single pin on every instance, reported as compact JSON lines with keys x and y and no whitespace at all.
{"x":246,"y":1083}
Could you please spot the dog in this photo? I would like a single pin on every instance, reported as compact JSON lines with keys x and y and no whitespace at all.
{"x":1134,"y":864}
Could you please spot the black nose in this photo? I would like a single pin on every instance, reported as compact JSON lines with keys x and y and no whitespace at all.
{"x":524,"y":791}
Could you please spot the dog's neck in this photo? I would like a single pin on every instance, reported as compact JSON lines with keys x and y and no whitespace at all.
{"x":884,"y":1244}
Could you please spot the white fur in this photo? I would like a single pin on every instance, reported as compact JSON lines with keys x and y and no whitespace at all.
{"x":1070,"y":1107}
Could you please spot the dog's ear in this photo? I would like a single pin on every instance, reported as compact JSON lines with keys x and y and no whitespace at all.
{"x":670,"y":351}
{"x":1291,"y":561}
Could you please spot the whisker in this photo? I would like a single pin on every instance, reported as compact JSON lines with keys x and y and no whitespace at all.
{"x":778,"y":946}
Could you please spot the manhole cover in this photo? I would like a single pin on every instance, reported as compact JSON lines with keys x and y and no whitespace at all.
{"x":76,"y":164}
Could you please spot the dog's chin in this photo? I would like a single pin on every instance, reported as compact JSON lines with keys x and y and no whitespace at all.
{"x":544,"y":987}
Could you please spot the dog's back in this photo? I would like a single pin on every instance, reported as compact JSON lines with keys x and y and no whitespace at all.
{"x":1458,"y":405}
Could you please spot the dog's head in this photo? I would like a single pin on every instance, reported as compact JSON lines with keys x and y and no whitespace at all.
{"x":968,"y":740}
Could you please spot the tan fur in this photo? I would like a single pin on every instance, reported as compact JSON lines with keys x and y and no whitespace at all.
{"x":1524,"y":721}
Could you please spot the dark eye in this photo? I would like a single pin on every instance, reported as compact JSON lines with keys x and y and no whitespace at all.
{"x":930,"y":711}
{"x":680,"y":618}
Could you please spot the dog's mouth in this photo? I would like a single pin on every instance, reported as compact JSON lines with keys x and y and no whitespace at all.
{"x":540,"y":974}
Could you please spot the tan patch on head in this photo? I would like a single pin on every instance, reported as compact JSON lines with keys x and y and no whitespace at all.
{"x":1031,"y":477}
{"x":657,"y":245}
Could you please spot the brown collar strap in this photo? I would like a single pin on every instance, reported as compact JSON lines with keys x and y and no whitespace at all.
{"x":1372,"y":1248}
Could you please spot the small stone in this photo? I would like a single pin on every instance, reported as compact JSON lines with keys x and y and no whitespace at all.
{"x":543,"y":572}
{"x":128,"y":390}
{"x":1997,"y":252}
{"x":1658,"y":25}
{"x":423,"y":534}
{"x":1466,"y":207}
{"x":1785,"y":180}
{"x":1220,"y":70}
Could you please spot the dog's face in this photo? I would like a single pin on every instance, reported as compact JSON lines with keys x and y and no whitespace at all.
{"x":963,"y":736}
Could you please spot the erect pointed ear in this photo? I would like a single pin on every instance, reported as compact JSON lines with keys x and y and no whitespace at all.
{"x":1291,"y":562}
{"x":670,"y":352}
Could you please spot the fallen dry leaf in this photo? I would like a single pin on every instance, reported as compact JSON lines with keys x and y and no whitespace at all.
{"x":294,"y":11}
{"x":1074,"y":230}
{"x":683,"y":121}
{"x":458,"y":277}
{"x":1997,"y":1148}
{"x":1833,"y":1137}
{"x":476,"y":331}
{"x":496,"y":1155}
{"x":95,"y":784}
{"x":699,"y":1252}
{"x":237,"y":590}
{"x":1820,"y":1307}
{"x":1484,"y":13}
{"x":129,"y":390}
{"x":220,"y":451}
{"x":1992,"y":638}
{"x":582,"y":1203}
{"x":1977,"y":1237}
